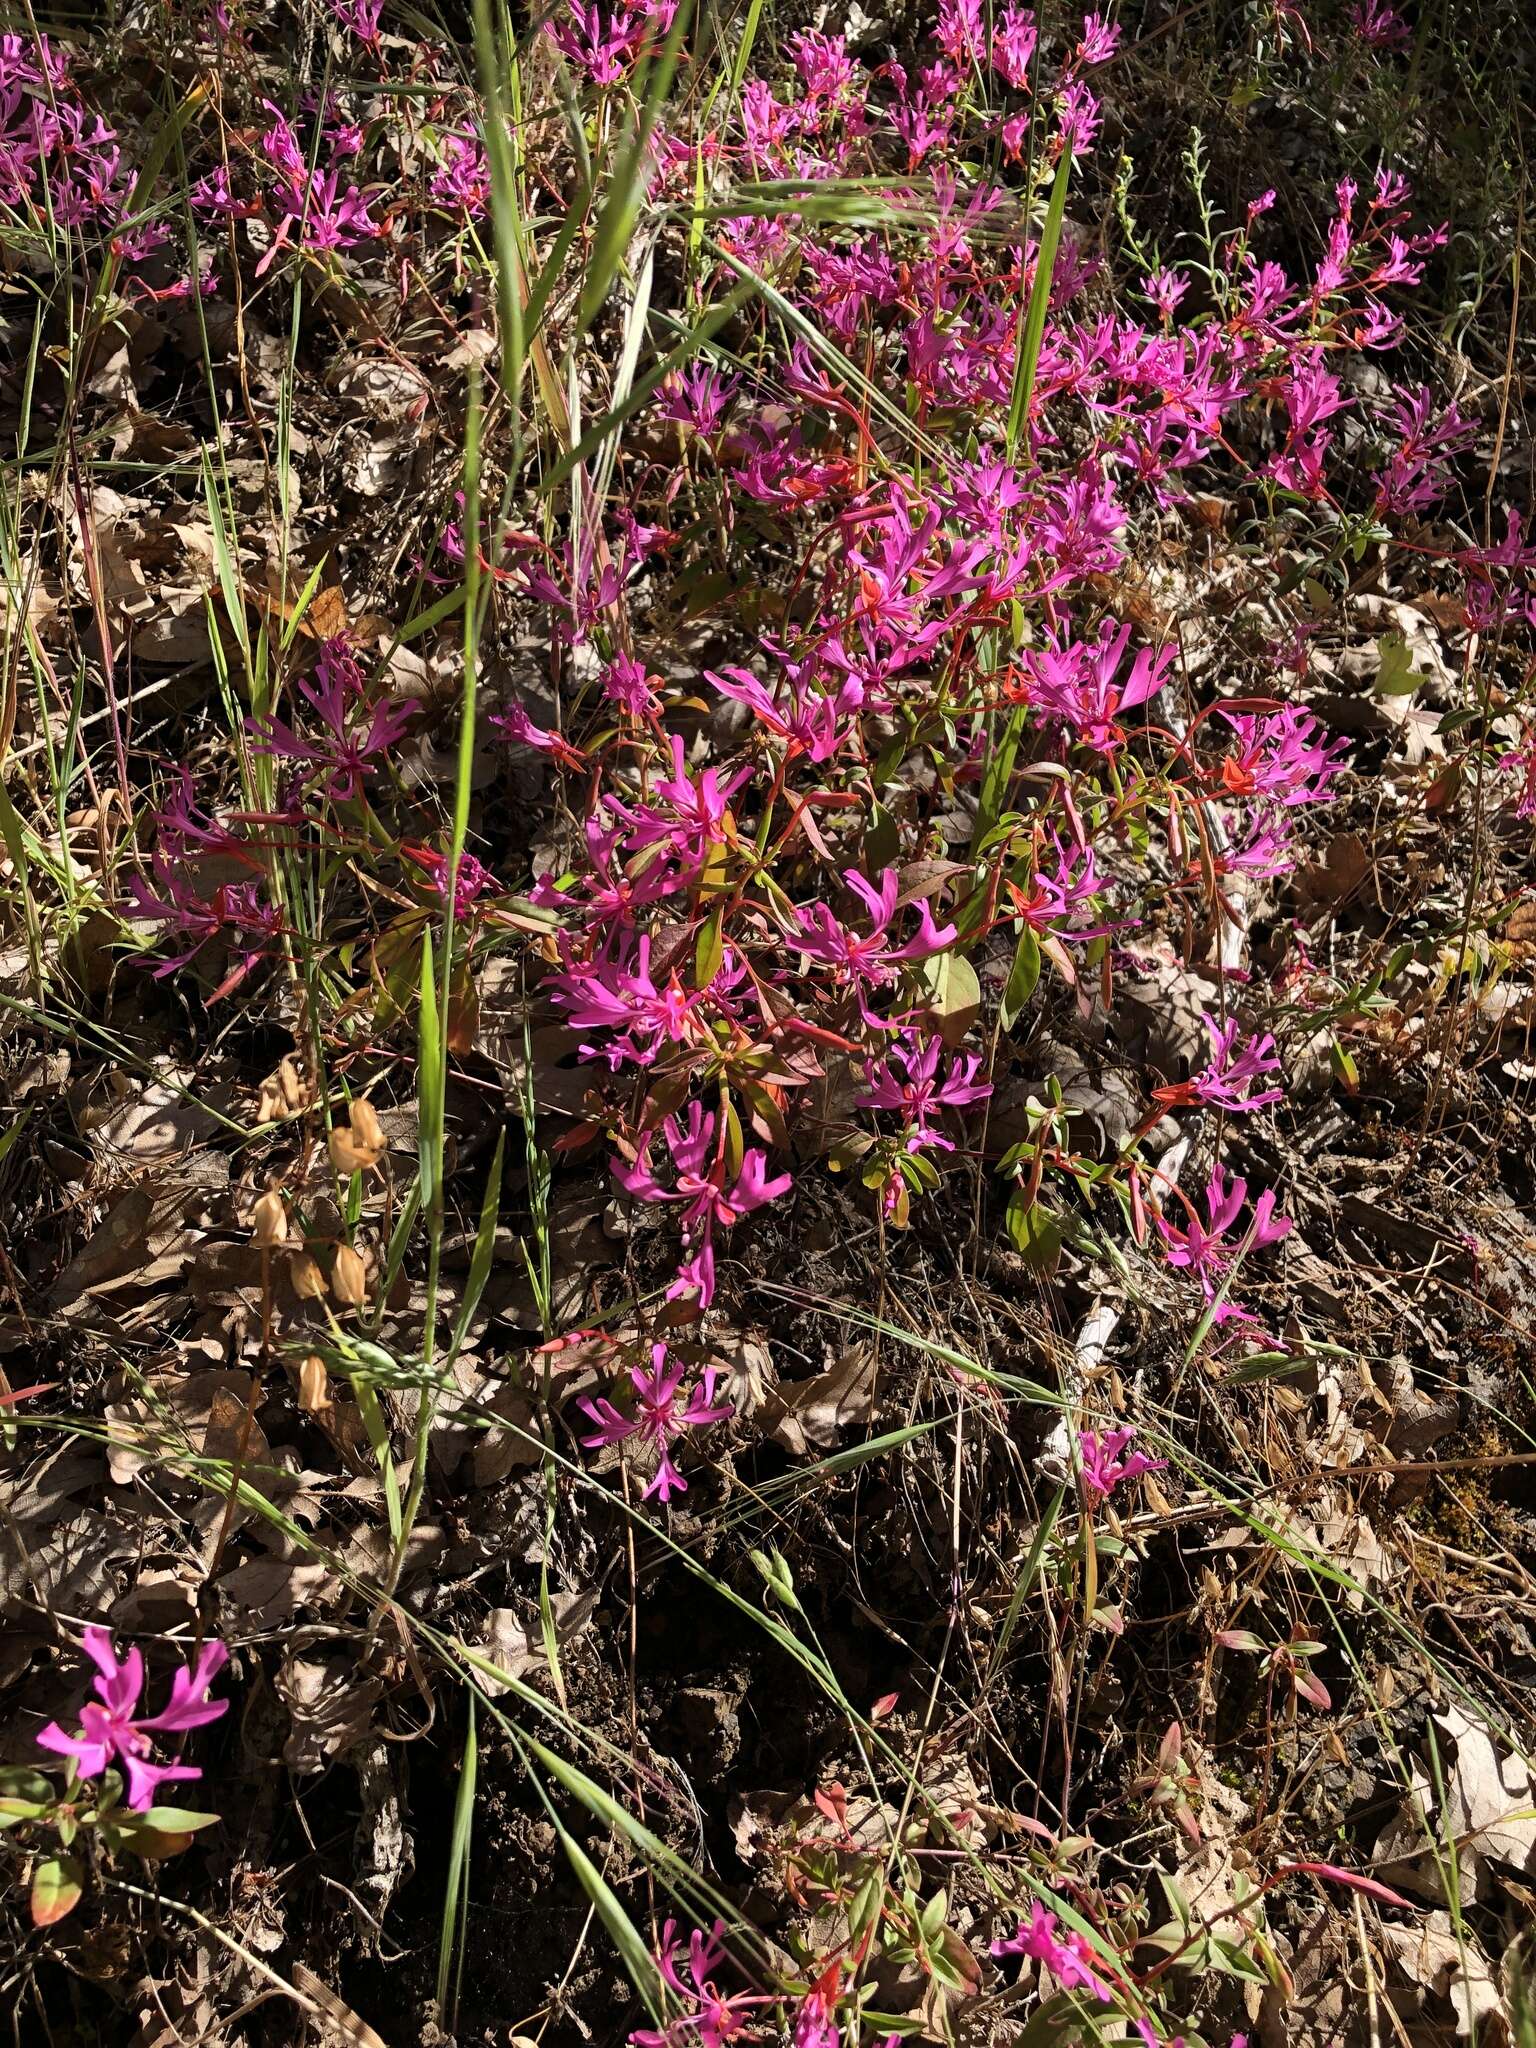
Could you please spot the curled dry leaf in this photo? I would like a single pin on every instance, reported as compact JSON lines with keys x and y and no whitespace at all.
{"x":330,"y":1701}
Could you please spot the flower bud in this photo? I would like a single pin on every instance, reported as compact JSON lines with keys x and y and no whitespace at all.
{"x":349,"y":1277}
{"x":269,"y":1220}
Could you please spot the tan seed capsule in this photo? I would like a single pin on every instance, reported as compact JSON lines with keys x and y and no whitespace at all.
{"x":308,"y":1280}
{"x":366,"y":1128}
{"x":314,"y":1387}
{"x":349,"y":1277}
{"x":269,"y":1220}
{"x":346,"y":1155}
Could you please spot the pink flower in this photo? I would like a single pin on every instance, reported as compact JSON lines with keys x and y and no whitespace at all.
{"x":462,"y":180}
{"x":111,"y":1733}
{"x":1377,"y":23}
{"x":342,"y":753}
{"x":601,"y":995}
{"x":699,"y":1185}
{"x":1229,"y":1080}
{"x":1067,"y":1957}
{"x":1104,"y":1466}
{"x":234,"y":911}
{"x":711,"y":2017}
{"x":361,"y":17}
{"x":660,"y":1417}
{"x":868,"y":961}
{"x":1206,"y":1250}
{"x":908,"y":1081}
{"x":811,"y":724}
{"x":626,"y":683}
{"x":1079,"y":683}
{"x":1013,"y":44}
{"x":1280,"y":757}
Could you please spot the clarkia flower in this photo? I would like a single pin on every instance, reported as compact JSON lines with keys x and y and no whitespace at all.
{"x":660,"y":1416}
{"x":341,"y":754}
{"x":1105,"y":1464}
{"x":1067,"y":1956}
{"x":1230,"y":1080}
{"x":699,"y":1187}
{"x":1206,"y":1249}
{"x":909,"y":1082}
{"x":111,"y":1732}
{"x":868,"y":960}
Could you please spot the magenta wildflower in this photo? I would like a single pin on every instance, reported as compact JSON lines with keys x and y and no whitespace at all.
{"x":908,"y":1081}
{"x":235,"y":911}
{"x":110,"y":1732}
{"x":1229,"y":1081}
{"x":341,"y":754}
{"x":868,"y":961}
{"x":1104,"y":1464}
{"x":811,"y":723}
{"x":660,"y":1416}
{"x":1206,"y":1249}
{"x":462,"y":181}
{"x":1067,"y":1956}
{"x":361,"y":17}
{"x":1282,"y":757}
{"x":626,"y":683}
{"x":1079,"y":683}
{"x":699,"y":1186}
{"x":710,"y":2017}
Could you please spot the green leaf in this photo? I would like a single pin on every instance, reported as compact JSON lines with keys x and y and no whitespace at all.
{"x":1037,"y":1232}
{"x":174,"y":1820}
{"x":711,"y":948}
{"x":57,"y":1883}
{"x":954,"y":994}
{"x":1397,"y":676}
{"x":455,"y":1925}
{"x":1022,"y":977}
{"x":1033,"y":335}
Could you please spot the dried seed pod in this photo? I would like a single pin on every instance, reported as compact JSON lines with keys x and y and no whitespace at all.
{"x":357,"y":1146}
{"x":314,"y":1386}
{"x":349,"y":1277}
{"x":308,"y":1280}
{"x":269,"y":1220}
{"x":282,"y":1093}
{"x":366,"y":1128}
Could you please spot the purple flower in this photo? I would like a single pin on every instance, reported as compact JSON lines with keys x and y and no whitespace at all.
{"x":1065,"y":1956}
{"x":1229,"y":1080}
{"x":711,"y":2018}
{"x":812,"y":724}
{"x":341,"y":754}
{"x":699,"y":1184}
{"x":1079,"y":683}
{"x":626,"y":683}
{"x":362,"y":17}
{"x":1205,"y":1248}
{"x":660,"y":1416}
{"x":908,"y":1081}
{"x":868,"y":961}
{"x":111,"y":1733}
{"x":1282,"y":757}
{"x":1104,"y":1465}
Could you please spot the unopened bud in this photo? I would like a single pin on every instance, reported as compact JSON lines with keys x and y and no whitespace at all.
{"x":269,"y":1220}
